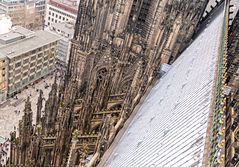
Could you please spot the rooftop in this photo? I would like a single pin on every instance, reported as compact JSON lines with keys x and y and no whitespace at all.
{"x":21,"y":40}
{"x":170,"y":127}
{"x":67,"y":5}
{"x":17,"y":33}
{"x":64,"y":27}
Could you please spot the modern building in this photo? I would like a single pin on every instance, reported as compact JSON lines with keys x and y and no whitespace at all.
{"x":25,"y":57}
{"x":24,"y":13}
{"x":41,"y":6}
{"x":66,"y":31}
{"x":60,"y":11}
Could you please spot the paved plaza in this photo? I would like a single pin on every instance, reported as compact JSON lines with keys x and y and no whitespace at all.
{"x":9,"y":110}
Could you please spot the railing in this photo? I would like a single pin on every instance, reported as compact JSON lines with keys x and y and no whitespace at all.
{"x":216,"y":155}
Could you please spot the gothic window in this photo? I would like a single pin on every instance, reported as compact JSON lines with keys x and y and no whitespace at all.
{"x":126,"y":86}
{"x":101,"y":74}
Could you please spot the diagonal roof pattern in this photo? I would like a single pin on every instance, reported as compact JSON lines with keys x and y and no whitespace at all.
{"x":170,"y":127}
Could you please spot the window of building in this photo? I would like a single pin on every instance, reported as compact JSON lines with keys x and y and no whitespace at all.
{"x":49,"y":18}
{"x":17,"y":58}
{"x":45,"y":64}
{"x":25,"y":74}
{"x":40,"y":55}
{"x":33,"y":58}
{"x":45,"y":46}
{"x":63,"y":18}
{"x":50,"y":68}
{"x":18,"y":84}
{"x":17,"y":77}
{"x":25,"y":55}
{"x":10,"y":81}
{"x":32,"y":70}
{"x":17,"y":71}
{"x":25,"y":68}
{"x":18,"y":64}
{"x":59,"y":17}
{"x":45,"y":58}
{"x":39,"y":49}
{"x":32,"y":77}
{"x":38,"y":67}
{"x":52,"y":20}
{"x":32,"y":65}
{"x":24,"y":81}
{"x":49,"y":12}
{"x":56,"y":15}
{"x":53,"y":14}
{"x":39,"y":61}
{"x":51,"y":61}
{"x":38,"y":74}
{"x":25,"y":61}
{"x":33,"y":51}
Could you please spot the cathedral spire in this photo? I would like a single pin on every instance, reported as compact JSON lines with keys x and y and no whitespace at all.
{"x":51,"y":108}
{"x":39,"y":108}
{"x":26,"y":131}
{"x":27,"y":108}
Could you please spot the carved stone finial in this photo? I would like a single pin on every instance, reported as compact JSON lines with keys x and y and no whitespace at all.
{"x":27,"y":108}
{"x":75,"y":134}
{"x":39,"y":107}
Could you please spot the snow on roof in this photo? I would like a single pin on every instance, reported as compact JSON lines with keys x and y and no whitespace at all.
{"x":169,"y":130}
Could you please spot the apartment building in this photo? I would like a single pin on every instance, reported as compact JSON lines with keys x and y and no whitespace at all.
{"x":60,"y":11}
{"x":26,"y":57}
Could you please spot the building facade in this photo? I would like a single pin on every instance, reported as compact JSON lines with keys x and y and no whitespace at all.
{"x":28,"y":56}
{"x":3,"y":79}
{"x":41,"y":7}
{"x":60,"y":11}
{"x":116,"y":51}
{"x":66,"y":31}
